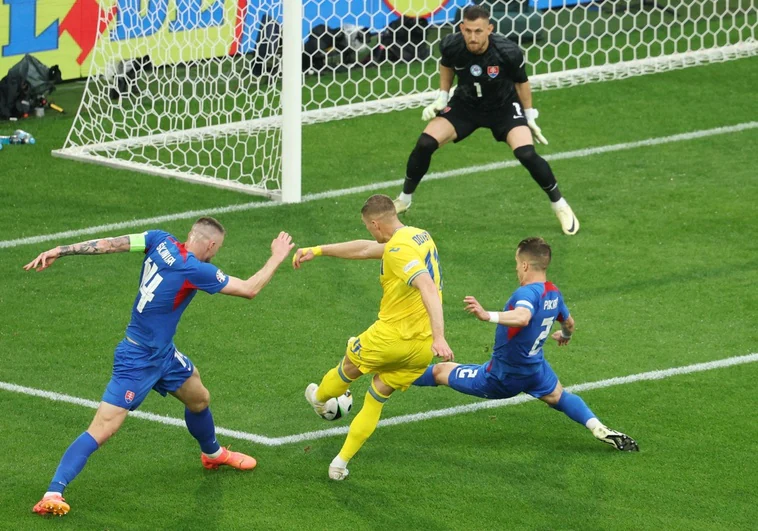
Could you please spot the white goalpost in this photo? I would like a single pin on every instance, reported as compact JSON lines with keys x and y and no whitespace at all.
{"x":217,"y":91}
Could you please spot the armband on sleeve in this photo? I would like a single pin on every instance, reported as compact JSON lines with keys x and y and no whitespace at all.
{"x":137,"y":243}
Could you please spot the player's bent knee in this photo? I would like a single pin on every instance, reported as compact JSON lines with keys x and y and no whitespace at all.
{"x":525,"y":154}
{"x":107,"y":422}
{"x":206,"y":402}
{"x":426,"y":143}
{"x":441,"y":372}
{"x":383,"y":388}
{"x":350,"y":369}
{"x":101,"y":434}
{"x":554,"y":397}
{"x":200,"y":400}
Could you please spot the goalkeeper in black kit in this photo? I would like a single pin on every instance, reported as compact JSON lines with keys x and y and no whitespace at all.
{"x":493,"y":91}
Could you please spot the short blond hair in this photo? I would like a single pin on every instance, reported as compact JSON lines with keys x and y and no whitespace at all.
{"x":377,"y":206}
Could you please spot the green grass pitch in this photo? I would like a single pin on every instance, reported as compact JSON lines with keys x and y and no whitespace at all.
{"x":662,"y":274}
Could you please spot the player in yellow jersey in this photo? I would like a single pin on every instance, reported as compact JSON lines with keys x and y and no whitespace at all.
{"x":399,"y":346}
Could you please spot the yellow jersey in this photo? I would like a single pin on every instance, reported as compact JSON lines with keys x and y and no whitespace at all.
{"x":409,"y":253}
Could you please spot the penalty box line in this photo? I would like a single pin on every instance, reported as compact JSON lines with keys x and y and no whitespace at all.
{"x":401,"y":419}
{"x":194,"y":214}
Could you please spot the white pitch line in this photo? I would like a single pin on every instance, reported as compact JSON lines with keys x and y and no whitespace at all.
{"x":520,"y":399}
{"x":401,"y":419}
{"x":193,"y":214}
{"x":162,"y":419}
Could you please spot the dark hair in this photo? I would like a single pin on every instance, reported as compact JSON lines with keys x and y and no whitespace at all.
{"x":206,"y":222}
{"x":475,"y":13}
{"x":536,"y":251}
{"x":377,"y":206}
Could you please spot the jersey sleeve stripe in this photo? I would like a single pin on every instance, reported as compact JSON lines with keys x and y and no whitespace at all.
{"x":417,"y":273}
{"x":525,"y":304}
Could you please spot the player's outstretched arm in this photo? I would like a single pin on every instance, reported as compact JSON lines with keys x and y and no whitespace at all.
{"x":563,"y":336}
{"x":118,"y":244}
{"x":430,"y":297}
{"x":280,"y":250}
{"x":353,"y":250}
{"x":518,"y":317}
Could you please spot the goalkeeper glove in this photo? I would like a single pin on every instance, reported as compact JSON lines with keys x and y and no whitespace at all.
{"x":430,"y":111}
{"x":531,"y":117}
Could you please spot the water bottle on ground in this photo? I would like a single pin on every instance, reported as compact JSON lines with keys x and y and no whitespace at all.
{"x":18,"y":137}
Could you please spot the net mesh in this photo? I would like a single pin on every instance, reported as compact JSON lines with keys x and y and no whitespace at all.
{"x":192,"y":88}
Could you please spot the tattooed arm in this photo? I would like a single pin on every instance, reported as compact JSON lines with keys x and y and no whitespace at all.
{"x":118,"y":244}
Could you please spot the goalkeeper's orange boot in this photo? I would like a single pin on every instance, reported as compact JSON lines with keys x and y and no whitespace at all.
{"x":236,"y":460}
{"x":52,"y":504}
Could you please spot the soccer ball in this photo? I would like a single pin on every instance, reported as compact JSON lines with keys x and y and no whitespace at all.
{"x":336,"y":408}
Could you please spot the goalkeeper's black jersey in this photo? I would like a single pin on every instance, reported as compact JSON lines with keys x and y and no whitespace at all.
{"x":485,"y":81}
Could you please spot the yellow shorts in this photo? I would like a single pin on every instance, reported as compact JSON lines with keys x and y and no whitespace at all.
{"x":397,"y":361}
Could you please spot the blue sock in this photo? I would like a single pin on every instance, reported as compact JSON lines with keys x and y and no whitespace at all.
{"x":574,"y":407}
{"x":201,"y":426}
{"x":73,"y":462}
{"x":426,"y":379}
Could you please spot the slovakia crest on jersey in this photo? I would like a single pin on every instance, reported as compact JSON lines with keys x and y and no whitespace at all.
{"x":129,"y":396}
{"x":493,"y":71}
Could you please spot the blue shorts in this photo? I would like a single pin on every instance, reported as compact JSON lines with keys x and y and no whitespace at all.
{"x":136,"y":370}
{"x":476,"y":381}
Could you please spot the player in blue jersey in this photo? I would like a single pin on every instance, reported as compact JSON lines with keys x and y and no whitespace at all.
{"x":518,"y":364}
{"x":147,"y":358}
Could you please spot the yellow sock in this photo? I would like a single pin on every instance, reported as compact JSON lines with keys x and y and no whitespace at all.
{"x":364,"y":423}
{"x":334,"y":383}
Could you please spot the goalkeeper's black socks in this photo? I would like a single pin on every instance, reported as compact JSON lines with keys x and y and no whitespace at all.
{"x":418,"y":162}
{"x":540,"y":171}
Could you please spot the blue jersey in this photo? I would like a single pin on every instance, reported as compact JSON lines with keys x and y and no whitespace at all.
{"x":171,"y":276}
{"x":519,"y":350}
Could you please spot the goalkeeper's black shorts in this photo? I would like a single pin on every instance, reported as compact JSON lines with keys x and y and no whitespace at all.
{"x":467,"y":119}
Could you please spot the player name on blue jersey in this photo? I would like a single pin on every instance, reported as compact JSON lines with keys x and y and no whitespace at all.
{"x":166,"y":254}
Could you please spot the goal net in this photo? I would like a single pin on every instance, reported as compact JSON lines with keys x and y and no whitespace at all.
{"x":199,"y":90}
